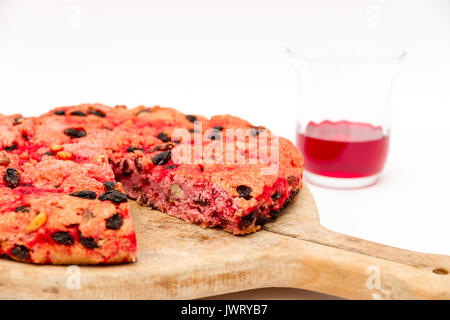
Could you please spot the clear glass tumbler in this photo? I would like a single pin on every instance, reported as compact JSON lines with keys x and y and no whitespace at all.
{"x":344,"y":116}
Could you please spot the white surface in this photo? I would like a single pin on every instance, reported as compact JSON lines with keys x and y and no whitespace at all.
{"x":212,"y":57}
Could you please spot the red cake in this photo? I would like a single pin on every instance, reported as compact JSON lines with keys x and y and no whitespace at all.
{"x":67,"y":175}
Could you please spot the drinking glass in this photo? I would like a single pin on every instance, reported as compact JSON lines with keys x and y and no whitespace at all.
{"x":344,"y":116}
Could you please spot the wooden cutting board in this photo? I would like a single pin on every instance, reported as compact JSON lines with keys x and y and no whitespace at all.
{"x":179,"y":260}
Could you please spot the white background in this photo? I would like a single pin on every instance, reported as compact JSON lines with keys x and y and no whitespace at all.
{"x":216,"y":57}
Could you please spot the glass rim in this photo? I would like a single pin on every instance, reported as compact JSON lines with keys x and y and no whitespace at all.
{"x":348,"y":53}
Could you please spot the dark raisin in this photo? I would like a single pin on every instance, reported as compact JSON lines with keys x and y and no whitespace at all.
{"x":261,"y":220}
{"x":218,"y":128}
{"x":75,"y":132}
{"x":20,"y":252}
{"x":59,"y":112}
{"x":97,"y":113}
{"x":11,"y":147}
{"x":114,"y":222}
{"x":114,"y":196}
{"x":143,"y":111}
{"x":11,"y":178}
{"x":274,"y":213}
{"x":133,"y":149}
{"x":109,"y":185}
{"x":215,"y":135}
{"x":62,"y":237}
{"x":126,"y":170}
{"x":22,"y":209}
{"x":18,"y":120}
{"x":48,"y":153}
{"x":244,"y":192}
{"x":142,"y":199}
{"x":88,"y":242}
{"x":78,"y":113}
{"x":163,"y":137}
{"x":201,"y":202}
{"x":170,"y":167}
{"x":25,"y":136}
{"x":85,"y":194}
{"x":291,"y":197}
{"x":152,"y":206}
{"x":286,"y":203}
{"x":255,"y":131}
{"x":291,"y":180}
{"x":138,"y":165}
{"x":191,"y":118}
{"x":162,"y":158}
{"x":276,"y":196}
{"x":247,"y":220}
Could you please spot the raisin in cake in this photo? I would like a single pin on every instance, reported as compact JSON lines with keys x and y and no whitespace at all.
{"x":67,"y":175}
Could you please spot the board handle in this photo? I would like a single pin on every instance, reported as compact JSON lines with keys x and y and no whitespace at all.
{"x":358,"y":269}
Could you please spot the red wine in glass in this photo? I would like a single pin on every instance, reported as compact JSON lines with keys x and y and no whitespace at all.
{"x":343,"y":149}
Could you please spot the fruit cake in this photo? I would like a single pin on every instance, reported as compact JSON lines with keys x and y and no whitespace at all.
{"x":67,"y":175}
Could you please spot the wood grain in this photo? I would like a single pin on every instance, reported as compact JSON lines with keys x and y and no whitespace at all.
{"x":182,"y":261}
